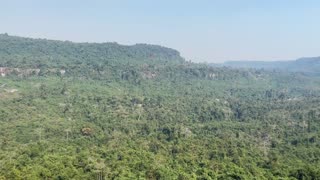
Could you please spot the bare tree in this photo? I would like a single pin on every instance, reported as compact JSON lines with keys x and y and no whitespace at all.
{"x":67,"y":133}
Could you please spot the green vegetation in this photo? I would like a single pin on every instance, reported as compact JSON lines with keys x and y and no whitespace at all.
{"x":106,"y":111}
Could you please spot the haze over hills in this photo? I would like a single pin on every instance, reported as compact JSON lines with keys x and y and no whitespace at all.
{"x":310,"y":65}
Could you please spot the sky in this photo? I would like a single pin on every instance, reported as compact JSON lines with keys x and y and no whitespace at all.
{"x":202,"y":30}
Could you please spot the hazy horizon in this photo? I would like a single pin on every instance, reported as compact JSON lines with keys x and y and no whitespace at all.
{"x":202,"y":31}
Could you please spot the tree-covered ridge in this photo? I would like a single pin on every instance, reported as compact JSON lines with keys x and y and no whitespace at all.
{"x":36,"y":53}
{"x":148,"y":119}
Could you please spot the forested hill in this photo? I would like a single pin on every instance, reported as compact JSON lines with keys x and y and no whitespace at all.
{"x":104,"y":61}
{"x":106,"y":111}
{"x":38,"y":53}
{"x":309,"y":66}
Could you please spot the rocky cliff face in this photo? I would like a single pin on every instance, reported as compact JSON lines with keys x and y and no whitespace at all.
{"x":4,"y":71}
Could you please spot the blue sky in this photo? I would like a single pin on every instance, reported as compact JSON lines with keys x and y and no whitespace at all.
{"x":202,"y":30}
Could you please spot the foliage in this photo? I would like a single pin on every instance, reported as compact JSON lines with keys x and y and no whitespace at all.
{"x":161,"y":118}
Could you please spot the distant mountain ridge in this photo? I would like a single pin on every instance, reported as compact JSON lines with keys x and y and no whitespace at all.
{"x":309,"y":65}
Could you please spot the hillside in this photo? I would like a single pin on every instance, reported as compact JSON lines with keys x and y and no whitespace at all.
{"x":33,"y":53}
{"x":107,"y":111}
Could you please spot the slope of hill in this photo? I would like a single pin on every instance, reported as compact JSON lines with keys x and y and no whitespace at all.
{"x":106,"y":111}
{"x":27,"y":52}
